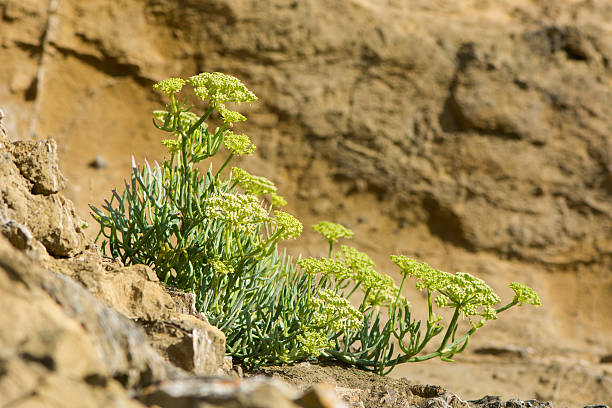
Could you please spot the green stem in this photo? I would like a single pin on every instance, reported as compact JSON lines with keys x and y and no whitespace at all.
{"x":399,"y":292}
{"x":508,"y":306}
{"x":354,"y":289}
{"x":201,"y":120}
{"x":429,"y":307}
{"x":224,"y":165}
{"x":240,"y":246}
{"x":450,"y":329}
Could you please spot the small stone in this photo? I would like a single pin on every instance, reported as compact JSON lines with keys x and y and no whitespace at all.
{"x":219,"y":392}
{"x":98,"y":163}
{"x":503,"y":351}
{"x":320,"y":396}
{"x":606,"y":359}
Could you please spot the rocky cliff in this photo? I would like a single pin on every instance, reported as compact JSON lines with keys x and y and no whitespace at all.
{"x":474,"y":135}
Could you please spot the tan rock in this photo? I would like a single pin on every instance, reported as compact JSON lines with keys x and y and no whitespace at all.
{"x":189,"y":343}
{"x":186,"y":341}
{"x":254,"y":392}
{"x":64,"y":344}
{"x":3,"y":137}
{"x":38,"y":162}
{"x":49,"y":218}
{"x":321,"y":396}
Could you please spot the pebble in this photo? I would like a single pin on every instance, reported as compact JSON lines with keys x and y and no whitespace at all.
{"x":98,"y":163}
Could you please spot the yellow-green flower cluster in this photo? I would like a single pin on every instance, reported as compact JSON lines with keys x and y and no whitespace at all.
{"x":277,"y":200}
{"x":170,"y":86}
{"x":288,"y":226}
{"x":332,"y":231}
{"x":187,"y":119}
{"x":461,"y":290}
{"x":252,"y":184}
{"x":358,"y":266}
{"x":230,"y":116}
{"x":381,"y":289}
{"x":242,"y":212}
{"x":359,"y":262}
{"x":314,"y":342}
{"x":324,"y":266}
{"x":334,"y":312}
{"x":238,"y":144}
{"x":432,"y":279}
{"x":172,"y":144}
{"x":220,"y":88}
{"x":524,"y":294}
{"x":221,"y":268}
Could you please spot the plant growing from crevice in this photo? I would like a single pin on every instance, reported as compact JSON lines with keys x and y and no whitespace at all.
{"x":215,"y":233}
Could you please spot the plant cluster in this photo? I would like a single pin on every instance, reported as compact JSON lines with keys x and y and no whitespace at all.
{"x":216,"y":234}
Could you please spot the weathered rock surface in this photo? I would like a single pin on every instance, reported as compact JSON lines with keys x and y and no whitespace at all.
{"x":25,"y":214}
{"x":362,"y":389}
{"x":61,"y":346}
{"x":255,"y":392}
{"x":188,"y":342}
{"x":41,"y":215}
{"x":38,"y":163}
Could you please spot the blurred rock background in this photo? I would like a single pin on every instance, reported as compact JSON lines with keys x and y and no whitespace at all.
{"x":474,"y":135}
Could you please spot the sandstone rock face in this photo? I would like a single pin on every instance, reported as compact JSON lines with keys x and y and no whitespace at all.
{"x":474,"y":135}
{"x":61,"y":346}
{"x":29,"y":207}
{"x":38,"y":163}
{"x":189,"y":343}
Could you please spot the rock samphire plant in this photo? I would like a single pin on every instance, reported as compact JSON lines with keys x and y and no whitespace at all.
{"x":215,"y":233}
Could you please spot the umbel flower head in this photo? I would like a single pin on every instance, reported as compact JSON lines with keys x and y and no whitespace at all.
{"x":326,"y":267}
{"x":220,"y":88}
{"x":251,"y":184}
{"x":334,"y":312}
{"x":170,"y":86}
{"x":524,"y":294}
{"x":238,"y":144}
{"x":230,"y":116}
{"x":241,"y":212}
{"x":186,"y":119}
{"x":461,"y":290}
{"x":314,"y":342}
{"x":358,"y":266}
{"x":287,"y":225}
{"x":381,"y":289}
{"x":221,"y":268}
{"x":277,"y":200}
{"x":332,"y":231}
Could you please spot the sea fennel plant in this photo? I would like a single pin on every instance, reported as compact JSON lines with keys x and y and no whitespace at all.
{"x":215,"y":233}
